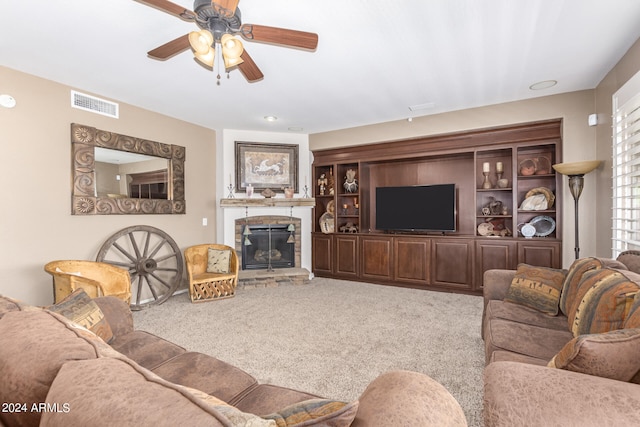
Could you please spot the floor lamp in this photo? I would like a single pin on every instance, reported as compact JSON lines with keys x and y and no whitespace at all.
{"x":576,"y":172}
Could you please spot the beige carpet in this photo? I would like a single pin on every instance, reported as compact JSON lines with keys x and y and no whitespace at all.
{"x":332,"y":337}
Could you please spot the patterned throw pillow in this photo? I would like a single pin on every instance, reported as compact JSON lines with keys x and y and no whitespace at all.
{"x":603,"y":301}
{"x":574,"y":277}
{"x":9,"y":304}
{"x":633,"y":316}
{"x":610,"y":355}
{"x":537,"y":288}
{"x":316,"y":412}
{"x":218,"y":261}
{"x":81,"y":309}
{"x":312,"y":412}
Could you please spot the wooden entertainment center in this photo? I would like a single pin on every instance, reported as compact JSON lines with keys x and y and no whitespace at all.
{"x":347,"y":245}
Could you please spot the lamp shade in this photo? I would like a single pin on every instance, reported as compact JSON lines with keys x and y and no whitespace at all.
{"x":231,"y":50}
{"x":231,"y":62}
{"x":206,"y":58}
{"x":577,"y":168}
{"x":201,"y":41}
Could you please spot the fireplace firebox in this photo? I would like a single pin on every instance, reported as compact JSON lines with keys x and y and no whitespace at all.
{"x":267,"y":246}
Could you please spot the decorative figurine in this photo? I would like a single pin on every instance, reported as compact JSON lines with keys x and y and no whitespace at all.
{"x":322,"y":183}
{"x":350,"y":183}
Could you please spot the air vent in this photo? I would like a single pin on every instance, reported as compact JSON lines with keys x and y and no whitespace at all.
{"x":93,"y":104}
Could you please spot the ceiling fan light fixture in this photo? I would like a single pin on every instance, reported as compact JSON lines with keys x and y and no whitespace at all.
{"x":231,"y":50}
{"x":201,"y":41}
{"x":231,"y":47}
{"x":231,"y":62}
{"x":206,"y":58}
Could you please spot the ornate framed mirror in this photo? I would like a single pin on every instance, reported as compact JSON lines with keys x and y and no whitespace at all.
{"x":115,"y":174}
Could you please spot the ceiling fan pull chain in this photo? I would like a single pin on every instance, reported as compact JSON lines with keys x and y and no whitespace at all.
{"x":218,"y":49}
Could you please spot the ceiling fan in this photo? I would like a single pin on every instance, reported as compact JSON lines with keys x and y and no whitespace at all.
{"x":219,"y":21}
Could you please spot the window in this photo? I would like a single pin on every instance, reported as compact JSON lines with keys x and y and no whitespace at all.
{"x":626,"y":167}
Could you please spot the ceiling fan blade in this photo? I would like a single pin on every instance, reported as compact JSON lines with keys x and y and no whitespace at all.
{"x":171,"y":8}
{"x":282,"y":36}
{"x":225,"y":8}
{"x":249,"y":69}
{"x":171,"y":48}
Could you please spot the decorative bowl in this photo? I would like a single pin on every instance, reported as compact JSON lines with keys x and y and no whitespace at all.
{"x":527,"y":167}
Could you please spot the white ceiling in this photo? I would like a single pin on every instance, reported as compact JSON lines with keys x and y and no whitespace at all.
{"x":374,"y":58}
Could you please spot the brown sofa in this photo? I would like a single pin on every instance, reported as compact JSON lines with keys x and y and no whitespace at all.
{"x":579,"y":366}
{"x":56,"y":373}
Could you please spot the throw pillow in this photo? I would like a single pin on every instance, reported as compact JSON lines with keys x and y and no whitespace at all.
{"x":610,"y":355}
{"x":9,"y":304}
{"x":312,"y":412}
{"x":219,"y":260}
{"x":537,"y":288}
{"x":633,"y":316}
{"x":81,"y":309}
{"x":603,"y":302}
{"x":316,"y":412}
{"x":574,"y":276}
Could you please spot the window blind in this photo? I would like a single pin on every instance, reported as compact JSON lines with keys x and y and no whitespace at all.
{"x":626,"y":168}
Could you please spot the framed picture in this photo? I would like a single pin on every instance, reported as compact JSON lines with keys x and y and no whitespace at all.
{"x":264,"y":165}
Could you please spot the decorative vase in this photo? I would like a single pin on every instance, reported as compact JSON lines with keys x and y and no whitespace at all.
{"x":288,"y":192}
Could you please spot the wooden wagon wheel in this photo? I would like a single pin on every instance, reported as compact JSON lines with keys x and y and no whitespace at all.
{"x":153,"y":260}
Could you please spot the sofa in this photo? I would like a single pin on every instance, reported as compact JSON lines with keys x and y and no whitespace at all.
{"x":562,"y":347}
{"x":81,"y":362}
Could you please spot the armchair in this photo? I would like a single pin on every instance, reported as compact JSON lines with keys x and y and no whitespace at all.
{"x":212,"y":271}
{"x":96,"y":278}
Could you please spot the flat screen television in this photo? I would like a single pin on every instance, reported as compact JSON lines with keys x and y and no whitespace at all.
{"x":416,"y":208}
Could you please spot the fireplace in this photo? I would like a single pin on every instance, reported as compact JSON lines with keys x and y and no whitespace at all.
{"x":268,"y":246}
{"x":275,"y":241}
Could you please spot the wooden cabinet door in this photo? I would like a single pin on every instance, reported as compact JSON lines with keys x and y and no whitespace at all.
{"x":346,"y":248}
{"x":540,"y":252}
{"x":452,"y":263}
{"x":376,"y":255}
{"x":322,"y":254}
{"x":411,"y":260}
{"x":495,"y":253}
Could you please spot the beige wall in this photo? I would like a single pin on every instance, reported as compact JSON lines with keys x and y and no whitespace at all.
{"x":626,"y":68}
{"x":36,"y":224}
{"x":578,"y":144}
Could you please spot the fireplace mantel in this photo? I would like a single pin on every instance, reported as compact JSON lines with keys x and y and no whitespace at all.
{"x":268,"y":202}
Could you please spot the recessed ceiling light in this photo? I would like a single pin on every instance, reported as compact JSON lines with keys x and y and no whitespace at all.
{"x":7,"y":101}
{"x":270,"y":118}
{"x":543,"y":85}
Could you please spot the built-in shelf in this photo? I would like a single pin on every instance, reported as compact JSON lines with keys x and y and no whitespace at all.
{"x":268,"y":202}
{"x":453,"y":261}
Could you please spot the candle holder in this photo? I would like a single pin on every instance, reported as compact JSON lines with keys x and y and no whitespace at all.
{"x":306,"y":191}
{"x":231,"y":189}
{"x":486,"y":184}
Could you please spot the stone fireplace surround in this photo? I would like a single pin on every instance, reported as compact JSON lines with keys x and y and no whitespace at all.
{"x":264,"y":220}
{"x":274,"y":211}
{"x":263,"y":277}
